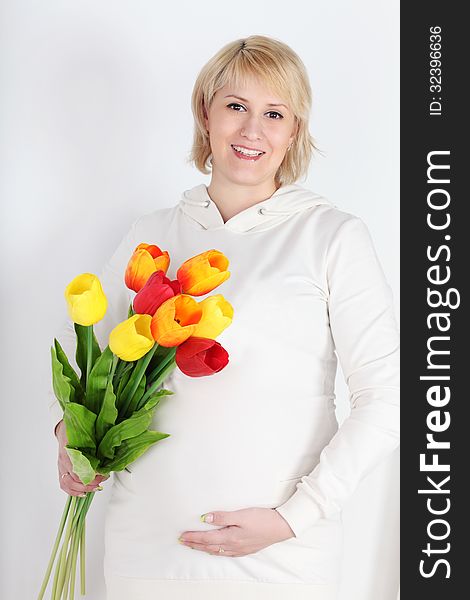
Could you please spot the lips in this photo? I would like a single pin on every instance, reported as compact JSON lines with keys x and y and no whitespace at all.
{"x":245,"y":153}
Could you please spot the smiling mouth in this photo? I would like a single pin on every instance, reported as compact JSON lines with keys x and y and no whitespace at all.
{"x":246,"y":153}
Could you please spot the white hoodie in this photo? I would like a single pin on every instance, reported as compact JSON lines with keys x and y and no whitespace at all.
{"x":306,"y":288}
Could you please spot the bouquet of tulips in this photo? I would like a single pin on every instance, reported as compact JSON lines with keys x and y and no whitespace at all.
{"x":109,"y":408}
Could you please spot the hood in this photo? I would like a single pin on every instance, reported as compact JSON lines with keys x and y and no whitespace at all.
{"x":286,"y":201}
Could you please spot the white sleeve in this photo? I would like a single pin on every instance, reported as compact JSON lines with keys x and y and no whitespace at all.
{"x":119,"y":297}
{"x":366,"y":339}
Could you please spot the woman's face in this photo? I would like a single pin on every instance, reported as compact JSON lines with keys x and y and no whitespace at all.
{"x":250,"y":129}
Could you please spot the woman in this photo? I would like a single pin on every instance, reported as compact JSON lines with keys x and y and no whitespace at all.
{"x":256,"y":448}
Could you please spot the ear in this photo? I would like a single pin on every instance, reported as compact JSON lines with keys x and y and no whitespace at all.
{"x":294,"y":132}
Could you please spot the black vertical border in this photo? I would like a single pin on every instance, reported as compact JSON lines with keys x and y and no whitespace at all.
{"x":420,"y":134}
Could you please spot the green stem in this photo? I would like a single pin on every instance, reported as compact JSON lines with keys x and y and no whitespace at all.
{"x":89,"y":499}
{"x":70,"y":566}
{"x":156,"y":373}
{"x":113,"y":367}
{"x":89,"y":351}
{"x":82,"y":561}
{"x":155,"y":385}
{"x":60,"y":573}
{"x":77,"y":541}
{"x":140,"y":372}
{"x":77,"y":534}
{"x":68,"y":548}
{"x":54,"y":549}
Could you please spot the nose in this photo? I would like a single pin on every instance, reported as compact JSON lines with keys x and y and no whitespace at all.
{"x":251,"y":128}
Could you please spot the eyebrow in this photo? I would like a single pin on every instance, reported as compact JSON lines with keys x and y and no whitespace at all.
{"x":245,"y":100}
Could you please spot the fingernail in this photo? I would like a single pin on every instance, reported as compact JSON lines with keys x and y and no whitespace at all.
{"x":180,"y":540}
{"x":81,"y":495}
{"x":207,"y":518}
{"x":98,"y":488}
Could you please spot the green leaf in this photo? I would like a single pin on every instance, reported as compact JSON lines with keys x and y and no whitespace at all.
{"x":131,"y":449}
{"x":155,"y":398}
{"x":61,"y":384}
{"x":79,"y":425}
{"x":94,"y":462}
{"x":130,"y":311}
{"x":81,"y":465}
{"x":108,"y":413}
{"x":69,"y":372}
{"x":98,"y":381}
{"x":81,"y":354}
{"x":132,"y":427}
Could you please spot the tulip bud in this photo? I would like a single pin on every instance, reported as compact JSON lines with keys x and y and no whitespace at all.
{"x":147,"y":259}
{"x":157,"y":289}
{"x":175,"y":320}
{"x":202,"y":273}
{"x":198,"y":357}
{"x":86,"y":302}
{"x":217,"y":314}
{"x":132,"y":338}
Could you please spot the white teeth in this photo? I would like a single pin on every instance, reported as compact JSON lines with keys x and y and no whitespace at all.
{"x":247,"y":152}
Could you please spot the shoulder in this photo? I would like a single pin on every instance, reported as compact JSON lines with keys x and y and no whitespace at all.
{"x":331,"y":224}
{"x":155,"y":221}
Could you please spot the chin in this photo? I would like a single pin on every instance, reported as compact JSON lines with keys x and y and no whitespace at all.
{"x":245,"y":177}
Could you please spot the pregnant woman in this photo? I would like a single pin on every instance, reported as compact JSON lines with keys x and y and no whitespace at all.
{"x":255,"y":450}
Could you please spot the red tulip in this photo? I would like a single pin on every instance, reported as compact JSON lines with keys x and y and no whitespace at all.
{"x":199,"y":356}
{"x":157,"y":289}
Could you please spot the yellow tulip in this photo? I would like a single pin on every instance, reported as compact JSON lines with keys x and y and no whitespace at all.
{"x":86,"y":302}
{"x":202,"y":273}
{"x":132,"y":338}
{"x":217,"y":314}
{"x":175,"y":320}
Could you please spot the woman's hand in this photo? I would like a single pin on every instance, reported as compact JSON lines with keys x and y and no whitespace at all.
{"x":242,"y":532}
{"x":68,"y":480}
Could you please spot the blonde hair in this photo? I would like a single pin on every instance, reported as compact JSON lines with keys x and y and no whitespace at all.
{"x":276,"y":65}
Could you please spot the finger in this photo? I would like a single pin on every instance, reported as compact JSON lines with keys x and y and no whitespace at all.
{"x":210,"y":549}
{"x":65,"y":466}
{"x":98,"y":480}
{"x":204,"y":537}
{"x":70,"y":486}
{"x":70,"y":476}
{"x":221,"y":517}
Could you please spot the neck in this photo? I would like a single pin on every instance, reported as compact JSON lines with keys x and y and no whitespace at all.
{"x":231,"y":199}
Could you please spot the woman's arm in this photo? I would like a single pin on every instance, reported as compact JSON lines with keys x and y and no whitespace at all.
{"x":366,"y":337}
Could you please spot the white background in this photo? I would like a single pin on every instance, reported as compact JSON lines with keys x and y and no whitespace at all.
{"x":96,"y":127}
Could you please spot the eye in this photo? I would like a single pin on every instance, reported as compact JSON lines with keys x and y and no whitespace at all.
{"x":235,"y":106}
{"x":276,"y":114}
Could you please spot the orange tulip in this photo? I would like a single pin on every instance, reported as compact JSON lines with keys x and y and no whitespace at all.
{"x":217,"y":314}
{"x":203,"y":273}
{"x":175,"y":320}
{"x":147,"y":259}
